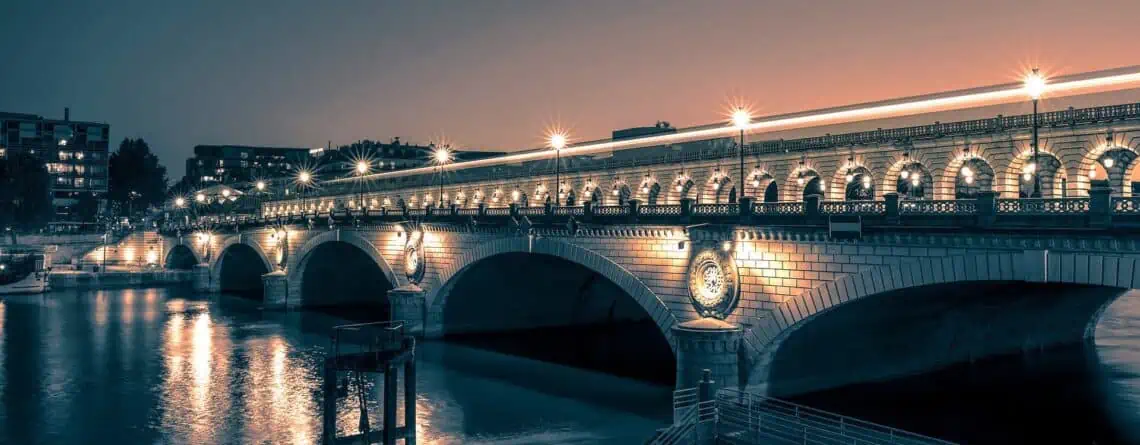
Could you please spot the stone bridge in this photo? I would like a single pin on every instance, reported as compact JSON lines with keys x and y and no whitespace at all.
{"x":870,"y":275}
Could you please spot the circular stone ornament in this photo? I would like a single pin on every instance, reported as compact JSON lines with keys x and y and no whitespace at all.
{"x":713,"y":286}
{"x":414,"y":264}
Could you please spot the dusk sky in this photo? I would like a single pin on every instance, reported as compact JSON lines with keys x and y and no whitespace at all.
{"x":493,"y":74}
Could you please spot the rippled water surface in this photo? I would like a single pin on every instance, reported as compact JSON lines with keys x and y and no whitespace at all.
{"x":165,"y":366}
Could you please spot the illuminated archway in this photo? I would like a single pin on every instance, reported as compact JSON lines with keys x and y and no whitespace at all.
{"x":974,"y":176}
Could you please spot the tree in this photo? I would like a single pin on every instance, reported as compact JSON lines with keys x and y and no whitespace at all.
{"x":137,"y":180}
{"x":86,"y":207}
{"x":25,"y":193}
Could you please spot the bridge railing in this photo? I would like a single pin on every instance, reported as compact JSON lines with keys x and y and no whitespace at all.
{"x":938,"y":207}
{"x":747,"y":418}
{"x":1043,"y":206}
{"x":1098,"y":210}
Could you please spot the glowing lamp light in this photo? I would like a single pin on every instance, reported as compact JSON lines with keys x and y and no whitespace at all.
{"x":756,"y":183}
{"x":822,"y":186}
{"x":226,"y":193}
{"x":904,"y":174}
{"x":969,"y":179}
{"x":1026,"y":176}
{"x":615,"y":191}
{"x":1108,"y":162}
{"x":967,"y":172}
{"x":515,"y":196}
{"x":200,"y":197}
{"x":180,"y":201}
{"x":866,"y":182}
{"x":727,"y":246}
{"x":1034,"y":84}
{"x":361,"y":167}
{"x":741,"y":118}
{"x":151,"y":257}
{"x":800,"y":180}
{"x":557,"y":140}
{"x":679,"y":187}
{"x":260,"y":185}
{"x":850,"y":177}
{"x":304,"y":177}
{"x":716,"y":186}
{"x":441,"y":155}
{"x":1092,"y":173}
{"x":914,"y":181}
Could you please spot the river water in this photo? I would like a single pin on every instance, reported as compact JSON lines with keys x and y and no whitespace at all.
{"x":166,"y":366}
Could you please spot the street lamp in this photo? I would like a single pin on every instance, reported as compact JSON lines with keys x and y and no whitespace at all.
{"x":557,"y":141}
{"x":304,"y":178}
{"x":1034,"y":87}
{"x":362,"y":168}
{"x":441,"y":156}
{"x":741,"y":117}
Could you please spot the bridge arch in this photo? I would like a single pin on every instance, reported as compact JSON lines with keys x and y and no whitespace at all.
{"x":681,"y":188}
{"x":1124,"y":162}
{"x":1017,"y":178}
{"x":624,"y":279}
{"x":298,"y":261}
{"x":955,"y":183}
{"x":893,"y":180}
{"x":757,"y":183}
{"x":1096,"y":281}
{"x":181,"y":257}
{"x":248,"y":275}
{"x":797,"y":181}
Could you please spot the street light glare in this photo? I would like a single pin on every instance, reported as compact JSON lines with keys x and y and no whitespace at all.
{"x":741,"y":117}
{"x":441,"y":155}
{"x":200,"y":197}
{"x":361,"y":167}
{"x":1034,"y":84}
{"x":260,"y":185}
{"x":557,"y":140}
{"x":180,"y":201}
{"x":304,"y":177}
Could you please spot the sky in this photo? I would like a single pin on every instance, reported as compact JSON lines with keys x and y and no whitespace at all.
{"x":493,"y":74}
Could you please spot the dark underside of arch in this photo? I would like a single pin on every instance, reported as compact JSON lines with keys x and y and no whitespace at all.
{"x":180,"y":258}
{"x":241,"y":271}
{"x":918,"y":330}
{"x":342,"y":279}
{"x":551,"y":309}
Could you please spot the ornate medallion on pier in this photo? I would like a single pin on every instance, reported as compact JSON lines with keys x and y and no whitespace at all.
{"x":713,"y":286}
{"x":414,"y":266}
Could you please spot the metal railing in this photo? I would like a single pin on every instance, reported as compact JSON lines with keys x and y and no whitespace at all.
{"x":497,"y":211}
{"x":1043,"y":206}
{"x":853,"y":207}
{"x":939,"y":207}
{"x":715,"y":209}
{"x":611,"y":210}
{"x":367,"y":338}
{"x":532,"y":211}
{"x":747,"y":418}
{"x":569,"y":210}
{"x":661,"y":210}
{"x":1129,"y":205}
{"x":780,"y":208}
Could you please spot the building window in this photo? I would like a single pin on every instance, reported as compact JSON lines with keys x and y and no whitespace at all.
{"x":64,"y":155}
{"x":79,"y":182}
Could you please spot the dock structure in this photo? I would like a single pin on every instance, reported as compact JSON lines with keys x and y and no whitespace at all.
{"x":360,"y":351}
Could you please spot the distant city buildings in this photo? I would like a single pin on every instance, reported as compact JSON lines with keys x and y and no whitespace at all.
{"x":393,"y":155}
{"x":75,"y":153}
{"x":227,"y":164}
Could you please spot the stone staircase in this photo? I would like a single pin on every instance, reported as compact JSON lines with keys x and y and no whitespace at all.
{"x":136,"y":250}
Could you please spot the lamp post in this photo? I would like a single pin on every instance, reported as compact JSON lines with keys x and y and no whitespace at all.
{"x":362,"y":168}
{"x":557,"y":141}
{"x":741,"y":117}
{"x":260,"y":186}
{"x":1034,"y":87}
{"x":303,"y":180}
{"x":441,"y":156}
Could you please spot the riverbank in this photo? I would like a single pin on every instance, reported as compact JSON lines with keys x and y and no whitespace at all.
{"x":118,"y":279}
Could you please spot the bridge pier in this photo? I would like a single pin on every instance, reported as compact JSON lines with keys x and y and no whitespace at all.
{"x":276,"y":290}
{"x":708,"y":344}
{"x":407,"y":304}
{"x":202,"y":280}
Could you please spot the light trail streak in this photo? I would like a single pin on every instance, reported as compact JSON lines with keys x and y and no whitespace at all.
{"x":1105,"y":80}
